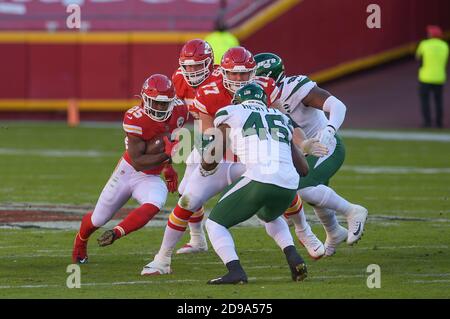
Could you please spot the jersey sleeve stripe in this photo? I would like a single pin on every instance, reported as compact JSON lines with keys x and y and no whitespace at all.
{"x":298,"y":86}
{"x":274,"y":94}
{"x":221,"y":113}
{"x":199,"y":106}
{"x":132,"y":129}
{"x":189,"y":101}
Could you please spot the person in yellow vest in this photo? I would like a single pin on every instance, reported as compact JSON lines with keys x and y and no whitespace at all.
{"x":433,"y":54}
{"x":221,"y":40}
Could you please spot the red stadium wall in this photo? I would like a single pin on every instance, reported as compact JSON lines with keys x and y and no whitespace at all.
{"x":313,"y":36}
{"x":320,"y":34}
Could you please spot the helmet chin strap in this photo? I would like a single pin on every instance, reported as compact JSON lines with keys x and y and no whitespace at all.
{"x":150,"y":111}
{"x":195,"y":78}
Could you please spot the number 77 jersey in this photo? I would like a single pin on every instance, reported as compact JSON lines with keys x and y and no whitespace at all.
{"x":213,"y":96}
{"x":261,"y":138}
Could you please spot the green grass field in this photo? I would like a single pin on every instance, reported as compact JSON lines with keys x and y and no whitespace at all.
{"x":404,"y":184}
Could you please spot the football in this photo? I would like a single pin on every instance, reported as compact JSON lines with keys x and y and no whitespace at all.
{"x":156,"y":144}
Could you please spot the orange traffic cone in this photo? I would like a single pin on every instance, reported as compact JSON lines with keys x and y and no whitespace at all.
{"x":73,"y":113}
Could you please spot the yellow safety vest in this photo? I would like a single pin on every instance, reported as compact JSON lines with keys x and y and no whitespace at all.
{"x":220,"y":43}
{"x":434,"y":54}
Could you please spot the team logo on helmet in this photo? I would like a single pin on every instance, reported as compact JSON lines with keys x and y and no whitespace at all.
{"x":266,"y":63}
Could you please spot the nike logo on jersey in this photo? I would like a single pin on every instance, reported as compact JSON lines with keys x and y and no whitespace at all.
{"x":358,"y":230}
{"x":129,"y":117}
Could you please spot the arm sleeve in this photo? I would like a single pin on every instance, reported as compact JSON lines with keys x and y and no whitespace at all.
{"x":337,"y":111}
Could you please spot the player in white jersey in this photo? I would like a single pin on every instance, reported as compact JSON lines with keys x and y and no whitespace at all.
{"x":306,"y":105}
{"x":261,"y":138}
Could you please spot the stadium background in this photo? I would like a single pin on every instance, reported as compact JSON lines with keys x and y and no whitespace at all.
{"x":120,"y":43}
{"x":51,"y":174}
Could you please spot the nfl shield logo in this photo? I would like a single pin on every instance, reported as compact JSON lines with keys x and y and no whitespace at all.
{"x":180,"y":122}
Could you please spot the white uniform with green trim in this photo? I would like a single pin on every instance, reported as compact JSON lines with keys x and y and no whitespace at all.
{"x":293,"y":90}
{"x":267,"y":155}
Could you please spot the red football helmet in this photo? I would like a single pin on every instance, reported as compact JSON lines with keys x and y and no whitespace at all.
{"x":240,"y":61}
{"x":158,"y":94}
{"x":197,"y":55}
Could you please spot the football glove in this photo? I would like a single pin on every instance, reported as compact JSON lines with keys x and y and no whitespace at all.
{"x":170,"y":147}
{"x":312,"y":146}
{"x":171,"y":177}
{"x":326,"y":136}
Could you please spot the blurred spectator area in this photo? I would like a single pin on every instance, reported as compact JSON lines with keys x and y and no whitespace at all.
{"x":114,"y":15}
{"x":121,"y":42}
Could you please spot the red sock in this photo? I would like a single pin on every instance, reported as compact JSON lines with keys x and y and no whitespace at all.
{"x":178,"y":219}
{"x":136,"y":219}
{"x":86,"y":228}
{"x":295,"y":207}
{"x":197,"y":217}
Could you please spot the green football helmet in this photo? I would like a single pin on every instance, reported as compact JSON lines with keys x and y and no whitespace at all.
{"x":251,"y":91}
{"x":270,"y":65}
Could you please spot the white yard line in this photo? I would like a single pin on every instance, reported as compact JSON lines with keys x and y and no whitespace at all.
{"x":396,"y":135}
{"x":146,"y":282}
{"x":57,"y":153}
{"x":147,"y":253}
{"x":394,"y":170}
{"x":178,"y":281}
{"x":430,"y":281}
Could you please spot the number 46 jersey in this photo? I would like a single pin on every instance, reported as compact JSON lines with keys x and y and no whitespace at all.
{"x":261,"y":138}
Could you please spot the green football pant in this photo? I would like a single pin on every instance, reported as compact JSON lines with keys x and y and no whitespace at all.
{"x":245,"y":198}
{"x":322,"y":173}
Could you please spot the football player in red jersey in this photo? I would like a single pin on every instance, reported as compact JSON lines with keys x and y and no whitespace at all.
{"x":238,"y":68}
{"x":137,"y":174}
{"x":196,"y":69}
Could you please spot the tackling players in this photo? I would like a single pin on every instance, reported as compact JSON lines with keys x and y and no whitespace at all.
{"x":306,"y":103}
{"x":261,"y":137}
{"x":238,"y":69}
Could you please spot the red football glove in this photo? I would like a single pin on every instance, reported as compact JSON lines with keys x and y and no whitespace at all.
{"x":170,"y":147}
{"x":171,"y":177}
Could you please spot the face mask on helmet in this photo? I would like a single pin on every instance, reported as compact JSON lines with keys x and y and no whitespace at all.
{"x":195,"y":72}
{"x":240,"y":76}
{"x":159,"y":108}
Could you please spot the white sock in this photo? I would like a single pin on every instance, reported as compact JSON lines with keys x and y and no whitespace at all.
{"x":327,"y":218}
{"x":170,"y":240}
{"x":197,"y":233}
{"x":324,"y":196}
{"x":279,"y":231}
{"x":299,"y":221}
{"x":221,"y":241}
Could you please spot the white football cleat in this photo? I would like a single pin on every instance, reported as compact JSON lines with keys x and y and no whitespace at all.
{"x":159,"y":266}
{"x":312,"y":244}
{"x":198,"y":245}
{"x":334,"y":239}
{"x":356,"y":220}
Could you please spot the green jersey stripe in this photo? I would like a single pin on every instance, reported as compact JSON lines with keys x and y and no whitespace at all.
{"x":298,"y":86}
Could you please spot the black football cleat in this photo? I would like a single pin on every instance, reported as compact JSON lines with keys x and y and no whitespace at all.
{"x":296,"y":264}
{"x":230,"y":279}
{"x":236,"y":275}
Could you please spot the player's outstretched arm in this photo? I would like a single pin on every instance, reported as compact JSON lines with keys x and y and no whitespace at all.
{"x":140,"y":160}
{"x":211,"y":159}
{"x":299,"y":160}
{"x":207,"y":121}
